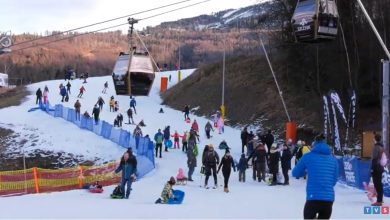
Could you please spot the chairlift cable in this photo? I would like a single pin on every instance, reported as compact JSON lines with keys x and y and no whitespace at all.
{"x":98,"y":23}
{"x":143,"y":44}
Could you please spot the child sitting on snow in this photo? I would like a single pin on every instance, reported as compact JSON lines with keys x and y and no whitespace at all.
{"x":181,"y":179}
{"x":96,"y":185}
{"x":167,"y":192}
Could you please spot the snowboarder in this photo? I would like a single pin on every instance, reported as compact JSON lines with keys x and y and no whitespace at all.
{"x":63,"y":93}
{"x":158,"y":138}
{"x":167,"y":192}
{"x":45,"y":95}
{"x":130,"y":116}
{"x":286,"y":163}
{"x":100,"y":102}
{"x":82,"y":90}
{"x":39,"y":96}
{"x":112,"y":103}
{"x":208,"y":128}
{"x":128,"y":166}
{"x":184,"y":141}
{"x":322,"y":169}
{"x":95,"y":114}
{"x":105,"y":88}
{"x":186,"y":112}
{"x":195,"y":126}
{"x":133,"y":103}
{"x":191,"y":162}
{"x":227,"y":163}
{"x":274,"y":163}
{"x":210,"y":160}
{"x":68,"y":85}
{"x":377,"y":169}
{"x":167,"y":136}
{"x":77,"y":107}
{"x":137,"y":134}
{"x":241,"y":167}
{"x":244,"y":139}
{"x":176,"y":139}
{"x":259,"y":156}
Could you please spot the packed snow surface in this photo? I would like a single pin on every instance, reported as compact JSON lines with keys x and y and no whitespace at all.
{"x":246,"y":200}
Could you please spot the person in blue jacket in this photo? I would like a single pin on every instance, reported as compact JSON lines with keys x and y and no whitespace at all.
{"x":133,"y":103}
{"x":63,"y":93}
{"x":322,"y":170}
{"x":159,"y":138}
{"x":128,"y":166}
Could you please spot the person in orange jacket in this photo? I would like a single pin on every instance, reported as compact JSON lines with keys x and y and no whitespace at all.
{"x":176,"y":138}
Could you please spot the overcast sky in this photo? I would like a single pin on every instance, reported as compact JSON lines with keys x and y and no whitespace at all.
{"x":37,"y":16}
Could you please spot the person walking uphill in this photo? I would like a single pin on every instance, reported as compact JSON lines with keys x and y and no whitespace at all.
{"x":210,"y":160}
{"x":244,"y":139}
{"x":286,"y":163}
{"x":227,"y":163}
{"x":133,"y":103}
{"x":128,"y":166}
{"x":39,"y":96}
{"x":77,"y":107}
{"x":158,"y":138}
{"x":186,"y":112}
{"x":322,"y":170}
{"x":208,"y":128}
{"x":377,"y":169}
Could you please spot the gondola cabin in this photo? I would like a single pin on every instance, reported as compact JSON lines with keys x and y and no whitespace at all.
{"x":140,"y":69}
{"x":315,"y":21}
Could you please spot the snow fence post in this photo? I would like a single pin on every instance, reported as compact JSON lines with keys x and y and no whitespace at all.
{"x":81,"y":177}
{"x":35,"y":171}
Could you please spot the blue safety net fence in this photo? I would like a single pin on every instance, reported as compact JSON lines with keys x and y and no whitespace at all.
{"x":143,"y":152}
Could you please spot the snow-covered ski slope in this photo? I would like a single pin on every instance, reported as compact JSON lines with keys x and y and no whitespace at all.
{"x":246,"y":200}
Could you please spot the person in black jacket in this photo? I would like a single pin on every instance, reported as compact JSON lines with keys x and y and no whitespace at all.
{"x":227,"y":163}
{"x":269,"y":140}
{"x":274,"y":163}
{"x":95,"y":113}
{"x":244,"y":138}
{"x":286,"y":163}
{"x":258,"y":162}
{"x":39,"y":96}
{"x":377,"y":169}
{"x":210,"y":160}
{"x":186,"y":112}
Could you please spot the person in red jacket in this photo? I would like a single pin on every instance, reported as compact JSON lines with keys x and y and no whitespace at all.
{"x":195,"y":126}
{"x":176,"y":138}
{"x":82,"y":90}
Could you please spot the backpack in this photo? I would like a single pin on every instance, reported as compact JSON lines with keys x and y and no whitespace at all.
{"x":211,"y":157}
{"x":117,"y":193}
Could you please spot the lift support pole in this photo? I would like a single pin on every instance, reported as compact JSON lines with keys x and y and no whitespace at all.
{"x":131,"y":21}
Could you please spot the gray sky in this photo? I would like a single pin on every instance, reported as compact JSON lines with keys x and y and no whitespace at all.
{"x":37,"y":16}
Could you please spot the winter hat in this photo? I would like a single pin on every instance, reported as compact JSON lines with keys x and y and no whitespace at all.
{"x":172,"y":180}
{"x":274,"y":146}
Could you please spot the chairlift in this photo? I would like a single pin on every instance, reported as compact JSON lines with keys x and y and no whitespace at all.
{"x":315,"y":21}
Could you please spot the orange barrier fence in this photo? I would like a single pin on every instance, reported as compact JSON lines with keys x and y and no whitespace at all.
{"x":164,"y":84}
{"x":37,"y":180}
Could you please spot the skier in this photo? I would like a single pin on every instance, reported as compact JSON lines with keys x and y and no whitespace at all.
{"x":105,"y":88}
{"x":68,"y":85}
{"x":208,"y":128}
{"x":112,"y":103}
{"x":258,"y":162}
{"x":191,"y":162}
{"x":241,"y":167}
{"x":77,"y":107}
{"x":167,"y":192}
{"x":45,"y":95}
{"x":210,"y":160}
{"x":244,"y":139}
{"x":286,"y":163}
{"x":377,"y":169}
{"x":186,"y":112}
{"x":128,"y":166}
{"x":130,"y":115}
{"x":322,"y":170}
{"x":39,"y":96}
{"x":227,"y":163}
{"x":184,"y":141}
{"x":137,"y":134}
{"x":100,"y":102}
{"x":167,"y":136}
{"x":195,"y":126}
{"x":158,"y":138}
{"x":95,"y":113}
{"x":120,"y":119}
{"x":133,"y":103}
{"x":82,"y":90}
{"x":63,"y":93}
{"x":176,"y":139}
{"x":274,"y":163}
